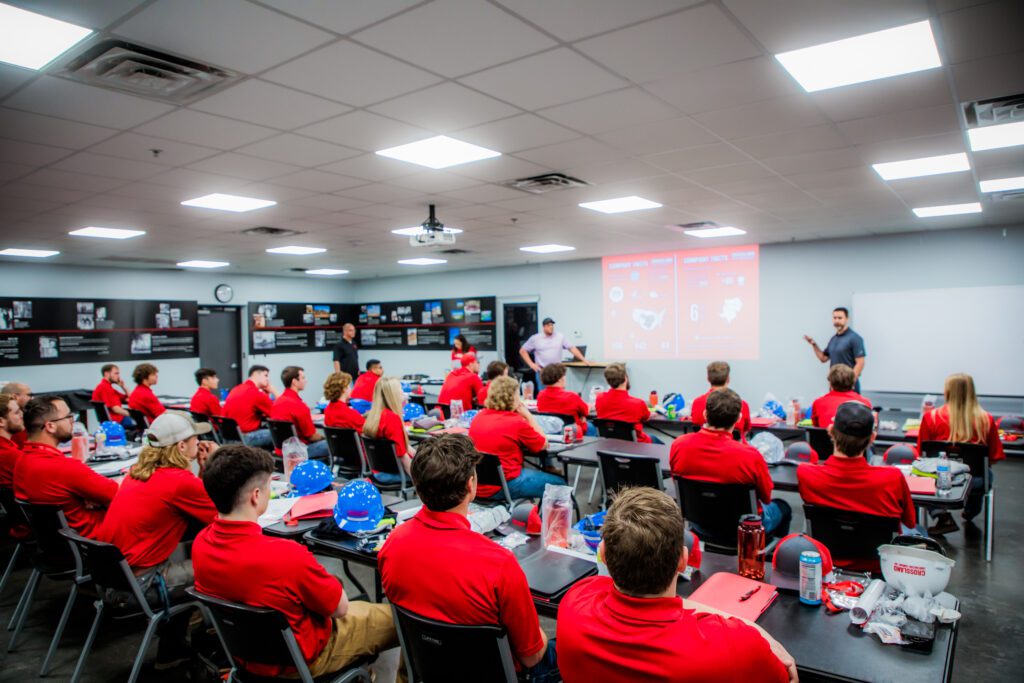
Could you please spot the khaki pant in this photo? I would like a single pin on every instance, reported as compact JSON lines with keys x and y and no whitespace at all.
{"x":366,"y":629}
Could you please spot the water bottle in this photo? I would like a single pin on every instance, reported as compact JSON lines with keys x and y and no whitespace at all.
{"x":527,"y":391}
{"x":594,"y":391}
{"x":943,"y":478}
{"x":100,"y":441}
{"x":80,"y":442}
{"x":750,"y":545}
{"x":653,"y":398}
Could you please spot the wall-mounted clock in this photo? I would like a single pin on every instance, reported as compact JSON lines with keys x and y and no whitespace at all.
{"x":224,"y":293}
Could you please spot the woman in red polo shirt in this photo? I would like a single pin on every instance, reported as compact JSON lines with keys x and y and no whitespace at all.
{"x":337,"y":389}
{"x":460,"y":347}
{"x":384,"y":421}
{"x":142,"y":397}
{"x":962,"y":420}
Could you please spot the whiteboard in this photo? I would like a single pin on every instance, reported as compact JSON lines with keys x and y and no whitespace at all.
{"x":916,"y":338}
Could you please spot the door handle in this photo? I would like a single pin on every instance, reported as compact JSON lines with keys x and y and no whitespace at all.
{"x":234,"y":365}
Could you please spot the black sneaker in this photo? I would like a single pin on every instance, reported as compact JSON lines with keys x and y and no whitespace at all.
{"x":944,"y":524}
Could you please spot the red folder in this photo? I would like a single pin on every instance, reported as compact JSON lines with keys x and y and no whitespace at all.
{"x":312,"y":507}
{"x":925,"y":485}
{"x":762,"y":421}
{"x":724,"y":590}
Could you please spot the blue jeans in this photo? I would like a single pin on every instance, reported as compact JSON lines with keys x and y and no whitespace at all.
{"x":127,"y":422}
{"x":544,"y":671}
{"x":977,"y":492}
{"x":317,"y":450}
{"x":388,"y":478}
{"x":530,"y":483}
{"x":258,"y":438}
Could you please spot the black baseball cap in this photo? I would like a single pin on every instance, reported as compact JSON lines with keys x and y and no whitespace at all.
{"x":547,"y":321}
{"x":853,"y":418}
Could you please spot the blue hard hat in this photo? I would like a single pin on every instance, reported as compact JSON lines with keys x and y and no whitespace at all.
{"x":775,"y":408}
{"x":311,"y":476}
{"x":407,"y":387}
{"x":807,"y":413}
{"x":359,"y":405}
{"x":412,"y":411}
{"x":677,"y":401}
{"x":468,"y":415}
{"x":359,"y":507}
{"x":114,"y":431}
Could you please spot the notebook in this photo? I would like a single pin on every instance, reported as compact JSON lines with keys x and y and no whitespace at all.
{"x":312,"y":507}
{"x":923,"y":485}
{"x":550,"y":574}
{"x":724,"y":590}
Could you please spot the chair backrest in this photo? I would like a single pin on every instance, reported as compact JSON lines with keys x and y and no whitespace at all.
{"x":227,"y":428}
{"x":820,"y":441}
{"x":253,"y":634}
{"x":141,"y":421}
{"x":618,"y":470}
{"x":46,"y":522}
{"x":380,"y":455}
{"x":100,"y":408}
{"x":446,"y":410}
{"x":566,"y":419}
{"x":850,"y":535}
{"x":346,"y":451}
{"x":437,"y":652}
{"x":490,"y":473}
{"x":716,"y":509}
{"x":615,"y":429}
{"x":280,"y":431}
{"x":105,"y":565}
{"x":974,"y":455}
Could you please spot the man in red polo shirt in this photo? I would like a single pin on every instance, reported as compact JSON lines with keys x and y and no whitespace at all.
{"x":718,"y":378}
{"x":473,"y":580}
{"x":234,"y":560}
{"x":12,"y":422}
{"x":205,"y":401}
{"x":248,"y":404}
{"x":290,"y":407}
{"x":112,"y":392}
{"x":847,"y":482}
{"x":712,"y":455}
{"x":495,"y":369}
{"x":46,"y":476}
{"x":363,"y":388}
{"x":463,"y":384}
{"x":617,"y":404}
{"x":142,"y":397}
{"x":632,"y":626}
{"x":840,"y":381}
{"x":22,"y":394}
{"x":555,"y":399}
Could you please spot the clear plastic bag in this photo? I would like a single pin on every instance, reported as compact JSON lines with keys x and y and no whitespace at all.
{"x":293,"y":452}
{"x":770,"y":446}
{"x":556,"y":516}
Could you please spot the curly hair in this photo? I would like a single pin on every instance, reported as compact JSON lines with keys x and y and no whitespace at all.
{"x":142,"y":371}
{"x":336,"y":384}
{"x":501,"y":394}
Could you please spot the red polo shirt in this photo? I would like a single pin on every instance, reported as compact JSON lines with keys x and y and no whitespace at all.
{"x":363,"y":387}
{"x":111,"y":398}
{"x":472,"y":580}
{"x":147,"y":519}
{"x":481,"y":396}
{"x":339,"y":414}
{"x":145,"y":401}
{"x":935,"y":427}
{"x":290,"y":407}
{"x":607,"y":636}
{"x":247,"y":405}
{"x":505,"y":434}
{"x":204,"y":402}
{"x":561,"y":402}
{"x":852,"y":484}
{"x":460,"y":385}
{"x":235,"y":561}
{"x":20,"y":438}
{"x":713,"y":456}
{"x":46,"y":476}
{"x":9,"y":454}
{"x":823,"y":410}
{"x":392,"y":427}
{"x":701,"y":403}
{"x":617,"y":404}
{"x":457,"y":355}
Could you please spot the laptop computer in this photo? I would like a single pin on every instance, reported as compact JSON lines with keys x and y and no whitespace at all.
{"x":550,"y":574}
{"x":583,"y":351}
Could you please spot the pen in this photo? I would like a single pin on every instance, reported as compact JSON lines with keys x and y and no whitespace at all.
{"x":749,"y":593}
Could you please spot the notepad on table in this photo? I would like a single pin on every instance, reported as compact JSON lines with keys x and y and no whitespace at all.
{"x":724,"y":591}
{"x":924,"y":485}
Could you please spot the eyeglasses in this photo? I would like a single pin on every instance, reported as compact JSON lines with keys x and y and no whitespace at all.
{"x":69,"y":416}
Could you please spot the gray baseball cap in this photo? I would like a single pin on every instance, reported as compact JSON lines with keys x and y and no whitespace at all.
{"x":174,"y":426}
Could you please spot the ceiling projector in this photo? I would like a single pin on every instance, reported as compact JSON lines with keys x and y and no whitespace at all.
{"x":432,"y":232}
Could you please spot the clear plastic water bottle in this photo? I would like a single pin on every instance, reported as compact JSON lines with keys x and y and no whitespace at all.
{"x":99,"y":439}
{"x":80,"y":442}
{"x":943,"y":477}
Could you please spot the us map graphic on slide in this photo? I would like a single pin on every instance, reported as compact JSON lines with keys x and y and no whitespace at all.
{"x":696,"y":304}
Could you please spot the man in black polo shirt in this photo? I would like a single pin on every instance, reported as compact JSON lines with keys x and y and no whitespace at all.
{"x":346,"y":354}
{"x":846,"y":347}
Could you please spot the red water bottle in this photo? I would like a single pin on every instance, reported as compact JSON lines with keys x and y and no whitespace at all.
{"x":654,"y":398}
{"x":750,"y":547}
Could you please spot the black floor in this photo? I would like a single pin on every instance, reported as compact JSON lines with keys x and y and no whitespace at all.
{"x":990,"y":647}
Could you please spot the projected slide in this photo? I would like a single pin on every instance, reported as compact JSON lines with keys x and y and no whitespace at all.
{"x":696,"y":304}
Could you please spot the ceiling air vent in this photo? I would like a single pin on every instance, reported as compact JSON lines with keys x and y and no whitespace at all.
{"x":138,"y":70}
{"x":454,"y":251}
{"x":549,"y":182}
{"x":1007,"y":196}
{"x":995,"y":111}
{"x":267,"y":231}
{"x":136,"y":259}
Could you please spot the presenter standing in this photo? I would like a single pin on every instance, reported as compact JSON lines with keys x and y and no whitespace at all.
{"x":846,"y":347}
{"x":346,"y":353}
{"x":547,"y":347}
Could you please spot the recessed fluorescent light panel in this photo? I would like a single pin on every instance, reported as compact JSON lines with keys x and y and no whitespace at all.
{"x":621,"y":204}
{"x":107,"y":233}
{"x":1002,"y":184}
{"x":228,"y":202}
{"x":915,"y":168}
{"x":947,"y":210}
{"x":203,"y":264}
{"x":326,"y":271}
{"x":895,"y":51}
{"x":31,"y":253}
{"x":994,"y":137}
{"x":547,"y":248}
{"x":31,"y":40}
{"x":721,"y":231}
{"x":418,"y":230}
{"x":439,"y":152}
{"x":422,"y":261}
{"x":296,"y":251}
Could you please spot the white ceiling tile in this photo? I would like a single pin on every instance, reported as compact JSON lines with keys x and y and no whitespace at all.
{"x":483,"y":194}
{"x":814,"y":162}
{"x":298,"y":150}
{"x":863,"y":100}
{"x":725,"y":86}
{"x":242,"y":166}
{"x":432,"y":182}
{"x":855,"y":177}
{"x":599,"y":174}
{"x":444,"y":108}
{"x":658,"y":136}
{"x":721,"y":175}
{"x":340,"y":72}
{"x":93,"y":14}
{"x":329,"y":202}
{"x":782,"y":26}
{"x":13,"y":76}
{"x":318,"y":181}
{"x":268,"y":104}
{"x":50,"y":95}
{"x":703,"y":156}
{"x":342,"y":17}
{"x":516,"y":133}
{"x":373,"y":167}
{"x":47,"y":130}
{"x":205,"y":129}
{"x":380,"y":193}
{"x":499,"y":169}
{"x":481,"y":37}
{"x":813,"y":139}
{"x":72,"y":181}
{"x":9,"y":171}
{"x":197,"y":182}
{"x":574,"y":19}
{"x":913,"y":148}
{"x":544,"y":80}
{"x":990,"y":77}
{"x":390,"y":214}
{"x":109,"y":167}
{"x":140,"y":148}
{"x":949,"y":188}
{"x":231,"y":33}
{"x":694,"y":39}
{"x":365,"y":131}
{"x":572,"y":153}
{"x":31,"y":154}
{"x":610,"y":111}
{"x":904,"y":124}
{"x":763,"y":118}
{"x":983,"y":30}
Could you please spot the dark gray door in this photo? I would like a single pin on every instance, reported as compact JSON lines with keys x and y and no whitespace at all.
{"x":520,"y":325}
{"x":220,"y":343}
